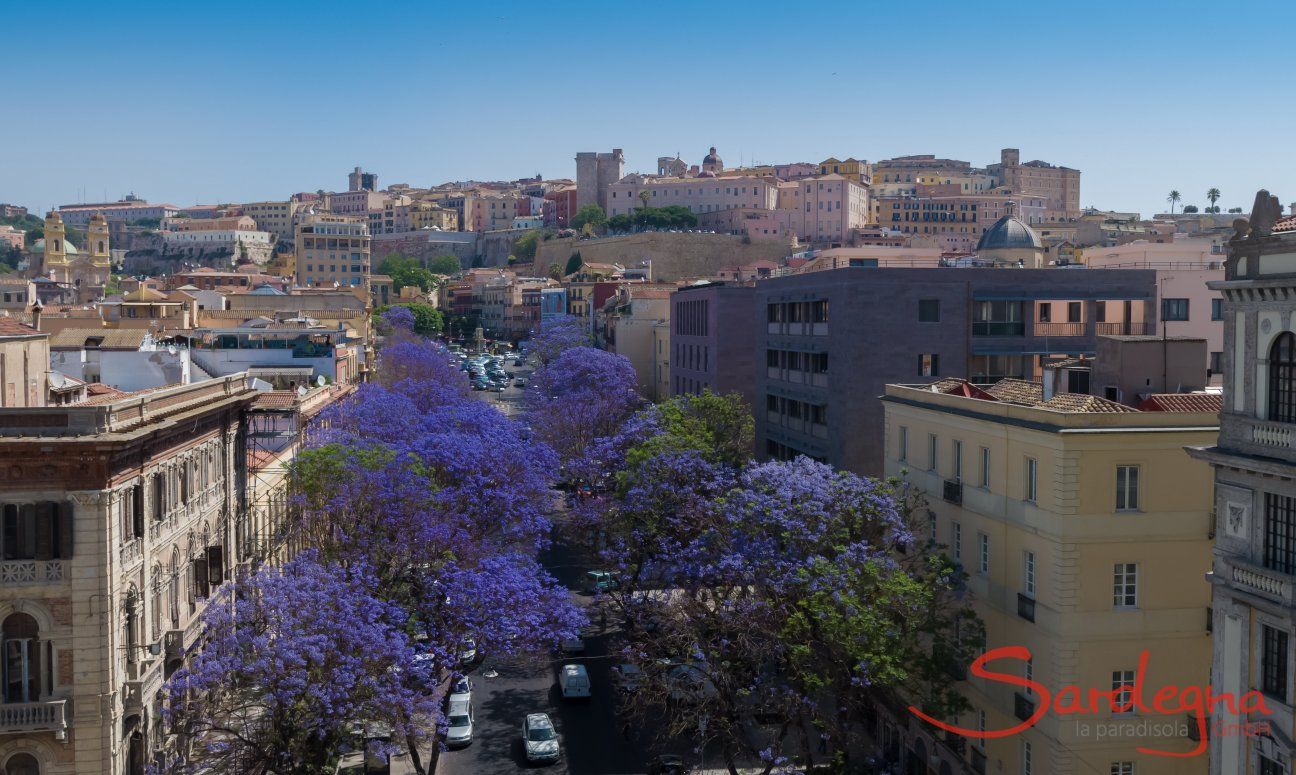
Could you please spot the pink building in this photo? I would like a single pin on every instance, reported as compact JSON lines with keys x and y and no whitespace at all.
{"x":559,"y":207}
{"x":703,"y":194}
{"x":826,"y":209}
{"x":11,"y":237}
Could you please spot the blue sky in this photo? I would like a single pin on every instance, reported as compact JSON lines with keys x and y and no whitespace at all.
{"x":202,"y":103}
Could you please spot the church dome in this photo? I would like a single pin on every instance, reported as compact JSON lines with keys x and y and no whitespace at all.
{"x":39,"y":247}
{"x":1009,"y":233}
{"x":711,"y":157}
{"x":706,"y":174}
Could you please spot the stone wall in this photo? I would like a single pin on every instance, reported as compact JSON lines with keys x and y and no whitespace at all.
{"x":673,"y":256}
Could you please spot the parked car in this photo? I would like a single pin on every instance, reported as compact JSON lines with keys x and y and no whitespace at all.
{"x":459,"y":723}
{"x":574,"y":682}
{"x":520,"y":382}
{"x":540,"y":738}
{"x":461,"y":690}
{"x":468,"y":651}
{"x":628,"y":677}
{"x":599,"y":580}
{"x":573,"y":645}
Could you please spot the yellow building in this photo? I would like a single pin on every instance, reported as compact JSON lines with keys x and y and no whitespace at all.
{"x":859,"y":171}
{"x":88,"y":270}
{"x":429,"y":215}
{"x":1084,"y":529}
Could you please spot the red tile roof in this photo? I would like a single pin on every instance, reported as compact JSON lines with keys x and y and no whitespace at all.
{"x":1285,"y":224}
{"x":1082,"y":402}
{"x":10,"y":326}
{"x":1017,"y":391}
{"x":274,"y":399}
{"x":1207,"y":403}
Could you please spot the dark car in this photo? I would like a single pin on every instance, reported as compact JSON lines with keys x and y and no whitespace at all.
{"x":667,"y":764}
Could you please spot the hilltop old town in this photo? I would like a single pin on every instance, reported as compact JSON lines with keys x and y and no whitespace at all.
{"x":913,"y":465}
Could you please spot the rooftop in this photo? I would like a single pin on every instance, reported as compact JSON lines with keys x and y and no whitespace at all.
{"x":12,"y":327}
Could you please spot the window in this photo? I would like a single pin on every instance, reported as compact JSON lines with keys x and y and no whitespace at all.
{"x":1122,"y":768}
{"x":1273,"y":663}
{"x":929,"y":364}
{"x":1280,"y":533}
{"x":1174,"y":309}
{"x":904,"y":444}
{"x":1282,"y":379}
{"x":1122,"y":691}
{"x":983,"y":559}
{"x":985,"y":466}
{"x":929,"y":310}
{"x":1217,"y":309}
{"x":1028,"y":573}
{"x":1125,"y":585}
{"x":1074,"y":309}
{"x":958,"y":460}
{"x":1045,"y":311}
{"x":1127,"y":484}
{"x":1028,"y":672}
{"x":22,"y":670}
{"x":931,"y":452}
{"x":1026,"y":758}
{"x":1216,"y":363}
{"x":1267,"y":766}
{"x":1032,"y":468}
{"x":958,"y":541}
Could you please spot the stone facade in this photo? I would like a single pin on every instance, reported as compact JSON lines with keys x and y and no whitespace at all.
{"x":1254,"y":569}
{"x":130,"y":503}
{"x":595,"y":172}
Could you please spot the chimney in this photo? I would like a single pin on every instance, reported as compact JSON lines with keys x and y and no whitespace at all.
{"x":36,"y":314}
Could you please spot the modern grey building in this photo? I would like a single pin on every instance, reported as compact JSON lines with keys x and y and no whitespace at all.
{"x":1254,"y":568}
{"x":829,"y":342}
{"x":714,"y":331}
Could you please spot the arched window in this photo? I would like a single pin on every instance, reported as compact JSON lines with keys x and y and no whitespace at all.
{"x":156,"y":602}
{"x":131,"y":624}
{"x":21,"y":658}
{"x":22,"y":764}
{"x":173,"y":589}
{"x":1282,"y":378}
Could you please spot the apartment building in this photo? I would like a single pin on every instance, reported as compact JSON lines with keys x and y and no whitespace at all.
{"x":714,"y":334}
{"x":117,"y":531}
{"x":1254,"y":570}
{"x":1083,"y":528}
{"x":278,"y":218}
{"x":700,"y":195}
{"x":24,"y":364}
{"x":12,"y":238}
{"x":636,"y":324}
{"x":827,"y":343}
{"x":429,"y":215}
{"x":127,"y":210}
{"x":333,"y":250}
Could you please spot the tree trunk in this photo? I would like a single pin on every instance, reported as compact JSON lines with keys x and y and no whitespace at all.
{"x":415,"y":759}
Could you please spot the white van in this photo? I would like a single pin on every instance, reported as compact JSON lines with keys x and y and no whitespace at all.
{"x":574,"y":682}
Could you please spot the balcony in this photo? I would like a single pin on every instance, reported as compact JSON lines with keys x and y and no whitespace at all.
{"x":998,"y":328}
{"x":1023,"y":706}
{"x":1125,"y":328}
{"x":1260,"y":581}
{"x":1026,"y":607}
{"x":1058,"y":329}
{"x":31,"y":571}
{"x":1271,"y":434}
{"x":29,"y":717}
{"x":953,"y":491}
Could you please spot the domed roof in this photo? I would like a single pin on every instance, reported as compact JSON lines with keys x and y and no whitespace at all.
{"x":1007,"y":233}
{"x":711,"y":157}
{"x":706,"y":174}
{"x":39,"y":247}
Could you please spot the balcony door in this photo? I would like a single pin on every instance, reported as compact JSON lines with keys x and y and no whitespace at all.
{"x":21,"y":658}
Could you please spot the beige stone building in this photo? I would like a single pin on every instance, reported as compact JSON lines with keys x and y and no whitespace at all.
{"x":637,"y":325}
{"x":278,"y":218}
{"x":333,"y":250}
{"x":1083,"y":528}
{"x":118,"y":519}
{"x":24,"y":364}
{"x":430,"y":215}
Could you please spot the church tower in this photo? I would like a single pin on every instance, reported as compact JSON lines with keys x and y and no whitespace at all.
{"x":55,"y":240}
{"x":96,"y":244}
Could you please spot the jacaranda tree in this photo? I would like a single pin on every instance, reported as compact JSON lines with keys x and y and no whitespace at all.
{"x":556,"y":335}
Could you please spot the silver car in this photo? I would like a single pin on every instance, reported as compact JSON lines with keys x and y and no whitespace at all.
{"x":459,"y":720}
{"x":540,"y":738}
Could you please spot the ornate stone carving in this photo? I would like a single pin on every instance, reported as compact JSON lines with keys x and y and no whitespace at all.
{"x":87,"y":497}
{"x":1264,"y":214}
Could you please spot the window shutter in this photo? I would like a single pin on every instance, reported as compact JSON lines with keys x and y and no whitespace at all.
{"x":200,"y":577}
{"x":64,"y":512}
{"x":215,"y":566}
{"x":46,"y":513}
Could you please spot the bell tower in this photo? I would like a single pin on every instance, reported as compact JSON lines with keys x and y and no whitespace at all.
{"x":55,"y":240}
{"x":97,"y":240}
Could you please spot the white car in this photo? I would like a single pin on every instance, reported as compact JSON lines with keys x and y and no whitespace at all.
{"x":461,"y":691}
{"x":459,"y":723}
{"x":540,"y":738}
{"x":468,"y":650}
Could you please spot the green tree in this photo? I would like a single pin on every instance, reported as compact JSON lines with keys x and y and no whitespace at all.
{"x":718,"y":426}
{"x":1173,"y":198}
{"x":1190,"y":208}
{"x":555,"y":271}
{"x":1235,"y":209}
{"x":591,"y":215}
{"x":406,"y":271}
{"x":574,"y":264}
{"x":428,"y":320}
{"x":1213,"y":195}
{"x":445,"y":264}
{"x":525,"y":247}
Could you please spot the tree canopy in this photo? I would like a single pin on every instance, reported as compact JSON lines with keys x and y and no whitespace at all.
{"x":591,"y":215}
{"x":424,"y":319}
{"x":406,"y":271}
{"x":646,"y":218}
{"x":445,"y":264}
{"x":525,"y":247}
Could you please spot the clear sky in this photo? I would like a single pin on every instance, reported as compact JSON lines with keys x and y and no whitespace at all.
{"x":235,"y":101}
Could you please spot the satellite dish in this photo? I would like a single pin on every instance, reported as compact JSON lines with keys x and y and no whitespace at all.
{"x":172,"y":349}
{"x":301,"y":390}
{"x":320,"y":380}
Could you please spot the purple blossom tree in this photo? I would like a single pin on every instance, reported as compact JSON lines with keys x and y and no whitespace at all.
{"x":582,"y":396}
{"x":295,"y":661}
{"x":557,"y":335}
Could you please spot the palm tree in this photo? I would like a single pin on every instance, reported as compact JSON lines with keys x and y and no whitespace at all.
{"x":1173,"y":199}
{"x":1213,"y":195}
